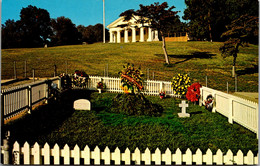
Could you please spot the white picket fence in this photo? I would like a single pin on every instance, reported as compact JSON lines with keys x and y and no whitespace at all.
{"x":45,"y":156}
{"x":242,"y":111}
{"x":151,"y":87}
{"x":18,"y":99}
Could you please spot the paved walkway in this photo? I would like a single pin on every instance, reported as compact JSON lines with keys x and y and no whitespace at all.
{"x":253,"y":96}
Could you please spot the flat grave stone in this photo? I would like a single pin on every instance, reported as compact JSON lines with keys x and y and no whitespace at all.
{"x":82,"y":104}
{"x":183,"y":113}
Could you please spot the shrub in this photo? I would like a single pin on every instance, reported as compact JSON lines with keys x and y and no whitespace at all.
{"x":135,"y":104}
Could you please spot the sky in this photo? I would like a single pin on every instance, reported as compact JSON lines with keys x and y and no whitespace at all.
{"x":81,"y":12}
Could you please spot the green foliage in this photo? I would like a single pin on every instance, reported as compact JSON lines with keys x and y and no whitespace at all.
{"x":210,"y":17}
{"x":158,"y":16}
{"x":32,"y":30}
{"x":240,"y":31}
{"x":131,"y":79}
{"x":92,"y":34}
{"x":180,"y":84}
{"x":135,"y":104}
{"x":65,"y":32}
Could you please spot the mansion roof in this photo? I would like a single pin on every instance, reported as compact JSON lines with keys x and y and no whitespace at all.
{"x":121,"y":23}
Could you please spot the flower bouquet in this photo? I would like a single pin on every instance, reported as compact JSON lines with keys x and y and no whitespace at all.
{"x":162,"y":94}
{"x":80,"y":79}
{"x":180,"y":84}
{"x":193,"y":93}
{"x":101,"y":86}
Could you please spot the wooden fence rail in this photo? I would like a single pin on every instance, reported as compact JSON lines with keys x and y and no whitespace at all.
{"x":46,"y":155}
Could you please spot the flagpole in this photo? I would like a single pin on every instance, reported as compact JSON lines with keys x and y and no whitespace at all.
{"x":104,"y":30}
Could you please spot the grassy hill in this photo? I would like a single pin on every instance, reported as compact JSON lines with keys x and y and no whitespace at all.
{"x":199,"y":59}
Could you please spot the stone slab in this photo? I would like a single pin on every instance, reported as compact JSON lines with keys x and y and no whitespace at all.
{"x":181,"y":115}
{"x":82,"y":104}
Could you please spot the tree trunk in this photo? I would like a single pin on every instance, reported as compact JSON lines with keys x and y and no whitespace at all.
{"x":210,"y":30}
{"x":164,"y":49}
{"x":234,"y":66}
{"x":234,"y":61}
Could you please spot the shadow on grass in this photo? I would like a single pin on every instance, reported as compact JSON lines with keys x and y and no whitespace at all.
{"x":45,"y":118}
{"x":200,"y":55}
{"x":249,"y":70}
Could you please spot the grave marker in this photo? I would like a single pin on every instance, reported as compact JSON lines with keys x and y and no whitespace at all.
{"x":82,"y":104}
{"x":183,"y":106}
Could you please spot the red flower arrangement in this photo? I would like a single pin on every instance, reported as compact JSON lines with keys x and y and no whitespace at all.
{"x":162,"y":94}
{"x":193,"y":93}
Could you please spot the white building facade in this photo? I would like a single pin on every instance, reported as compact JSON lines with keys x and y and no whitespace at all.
{"x":129,"y":31}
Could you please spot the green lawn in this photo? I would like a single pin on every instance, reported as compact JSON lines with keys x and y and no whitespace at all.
{"x":59,"y":123}
{"x":199,"y":59}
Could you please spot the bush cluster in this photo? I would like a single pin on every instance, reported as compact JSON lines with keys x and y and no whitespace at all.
{"x":135,"y":104}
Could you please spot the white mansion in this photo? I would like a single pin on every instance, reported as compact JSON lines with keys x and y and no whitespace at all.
{"x":130,"y":31}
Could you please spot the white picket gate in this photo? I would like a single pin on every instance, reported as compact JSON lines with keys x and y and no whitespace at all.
{"x":45,"y":155}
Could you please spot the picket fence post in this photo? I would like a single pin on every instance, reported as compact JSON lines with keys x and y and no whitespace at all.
{"x":137,"y":156}
{"x":116,"y":156}
{"x":106,"y":156}
{"x":167,"y":157}
{"x":230,"y":110}
{"x":36,"y":153}
{"x":46,"y":154}
{"x":76,"y":155}
{"x":16,"y":153}
{"x":29,"y":94}
{"x":27,"y":153}
{"x":214,"y":102}
{"x":146,"y":157}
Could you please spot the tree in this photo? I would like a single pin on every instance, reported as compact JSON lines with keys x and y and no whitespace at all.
{"x":11,"y":37}
{"x":35,"y":26}
{"x":65,"y":32}
{"x":92,"y":34}
{"x":208,"y":18}
{"x":240,"y":31}
{"x":159,"y":16}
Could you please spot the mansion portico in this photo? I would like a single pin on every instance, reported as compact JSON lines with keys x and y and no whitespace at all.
{"x":122,"y":31}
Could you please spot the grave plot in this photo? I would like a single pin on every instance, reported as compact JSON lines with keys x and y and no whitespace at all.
{"x":99,"y":127}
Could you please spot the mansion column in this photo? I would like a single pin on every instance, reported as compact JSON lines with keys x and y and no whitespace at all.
{"x":118,"y":36}
{"x":156,"y":38}
{"x":114,"y":38}
{"x":141,"y":34}
{"x":111,"y":37}
{"x":133,"y":35}
{"x":126,"y":36}
{"x":149,"y":35}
